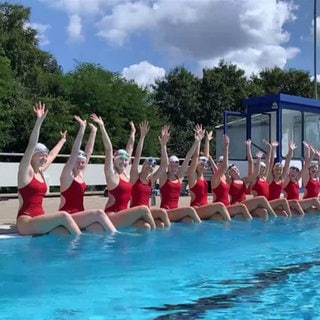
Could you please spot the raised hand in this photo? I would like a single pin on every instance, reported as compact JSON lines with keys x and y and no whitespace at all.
{"x":199,"y":132}
{"x":209,"y":135}
{"x":92,"y":127}
{"x":63,"y":134}
{"x":40,"y":110}
{"x":248,"y":142}
{"x":82,"y":123}
{"x":226,"y":139}
{"x":274,"y":144}
{"x":165,"y":135}
{"x":133,"y":128}
{"x":266,"y":142}
{"x":292,"y":145}
{"x":144,"y":128}
{"x":96,"y":119}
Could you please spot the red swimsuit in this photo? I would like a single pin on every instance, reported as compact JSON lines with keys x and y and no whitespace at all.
{"x":140,"y":193}
{"x":74,"y":197}
{"x":261,"y":187}
{"x":170,"y":193}
{"x":121,"y":193}
{"x":32,"y":195}
{"x":200,"y":191}
{"x":292,"y":190}
{"x":312,"y":189}
{"x":275,"y":189}
{"x":237,"y":192}
{"x":222,"y":193}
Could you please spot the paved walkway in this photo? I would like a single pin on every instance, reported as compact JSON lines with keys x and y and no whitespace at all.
{"x":9,"y":208}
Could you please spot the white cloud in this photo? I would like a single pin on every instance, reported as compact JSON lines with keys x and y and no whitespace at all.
{"x":41,"y":32}
{"x":247,"y":32}
{"x":74,"y":29}
{"x":144,"y":73}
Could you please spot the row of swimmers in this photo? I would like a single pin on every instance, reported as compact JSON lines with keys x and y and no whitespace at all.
{"x":129,"y":195}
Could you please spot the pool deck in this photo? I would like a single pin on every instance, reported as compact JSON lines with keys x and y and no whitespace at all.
{"x":9,"y":208}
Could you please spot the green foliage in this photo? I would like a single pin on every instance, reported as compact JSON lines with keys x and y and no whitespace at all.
{"x":91,"y":89}
{"x":178,"y":99}
{"x":276,"y":80}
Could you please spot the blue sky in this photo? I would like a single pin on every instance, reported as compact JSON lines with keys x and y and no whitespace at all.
{"x":143,"y":39}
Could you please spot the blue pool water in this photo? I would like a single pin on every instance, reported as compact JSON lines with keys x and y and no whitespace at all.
{"x":244,"y":270}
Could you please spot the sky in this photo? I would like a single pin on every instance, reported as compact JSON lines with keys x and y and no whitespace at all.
{"x":145,"y":39}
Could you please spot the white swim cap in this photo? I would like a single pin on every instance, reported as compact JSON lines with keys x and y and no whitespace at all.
{"x":40,"y":147}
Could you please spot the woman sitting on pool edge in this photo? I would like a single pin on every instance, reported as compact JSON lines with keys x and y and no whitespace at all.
{"x":119,"y":187}
{"x":170,"y":185}
{"x":291,"y":185}
{"x":276,"y":176}
{"x":143,"y":181}
{"x":32,"y":187}
{"x":198,"y":187}
{"x":220,"y":187}
{"x":72,"y":185}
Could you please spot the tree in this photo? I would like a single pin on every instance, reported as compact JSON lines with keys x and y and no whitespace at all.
{"x":90,"y":89}
{"x":276,"y":80}
{"x":19,"y":43}
{"x":178,"y":99}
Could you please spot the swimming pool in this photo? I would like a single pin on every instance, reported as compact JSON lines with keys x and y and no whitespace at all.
{"x":244,"y":270}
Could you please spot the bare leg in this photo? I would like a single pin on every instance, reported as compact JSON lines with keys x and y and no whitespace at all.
{"x":59,"y":231}
{"x":46,"y":223}
{"x":214,"y":211}
{"x":90,"y":218}
{"x":142,"y":225}
{"x":296,"y":207}
{"x":130,"y":216}
{"x":160,"y":217}
{"x":239,"y":210}
{"x":310,"y":204}
{"x":281,"y":206}
{"x":261,"y":213}
{"x":184,"y":214}
{"x":259,"y":202}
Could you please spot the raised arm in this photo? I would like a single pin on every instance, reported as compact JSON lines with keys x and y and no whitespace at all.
{"x":318,"y":159}
{"x":192,"y":175}
{"x":213,"y":165}
{"x":55,"y":150}
{"x":66,"y":175}
{"x":309,"y":152}
{"x":199,"y":134}
{"x":111,"y":178}
{"x":130,"y":143}
{"x":164,"y":161}
{"x":25,"y":169}
{"x":134,"y":172}
{"x":271,"y":150}
{"x":291,"y":147}
{"x":249,"y":159}
{"x":90,"y":143}
{"x":223,"y":166}
{"x":271,"y":147}
{"x":206,"y":151}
